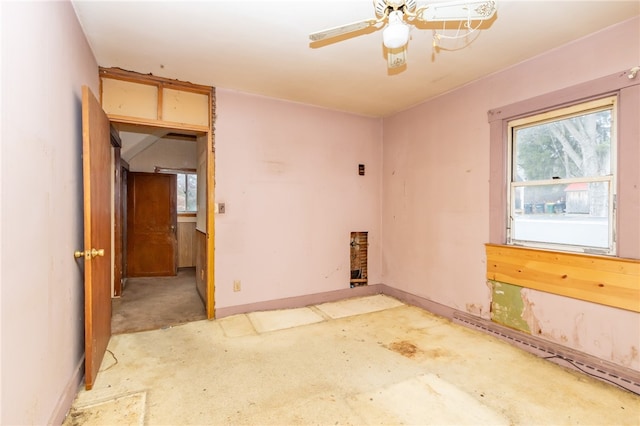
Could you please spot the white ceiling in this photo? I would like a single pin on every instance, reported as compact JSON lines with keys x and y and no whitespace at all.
{"x":262,"y":47}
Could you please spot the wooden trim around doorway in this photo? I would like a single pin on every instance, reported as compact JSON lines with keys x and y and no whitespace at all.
{"x":208,"y":130}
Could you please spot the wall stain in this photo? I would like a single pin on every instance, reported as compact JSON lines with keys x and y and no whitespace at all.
{"x":528,"y":315}
{"x":627,"y":360}
{"x":275,"y":167}
{"x":576,"y":330}
{"x":474,"y":309}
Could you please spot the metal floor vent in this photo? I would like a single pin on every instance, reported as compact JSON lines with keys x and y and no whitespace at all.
{"x":608,"y":372}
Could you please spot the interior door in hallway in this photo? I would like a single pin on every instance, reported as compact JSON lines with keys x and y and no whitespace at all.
{"x":96,"y":168}
{"x":151,"y":225}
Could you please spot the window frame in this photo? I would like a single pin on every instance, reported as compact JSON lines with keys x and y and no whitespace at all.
{"x":604,"y":103}
{"x":185,"y":174}
{"x":626,"y":85}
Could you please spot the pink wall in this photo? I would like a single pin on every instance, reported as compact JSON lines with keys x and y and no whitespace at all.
{"x":45,"y":61}
{"x":288,"y":174}
{"x":435,"y":214}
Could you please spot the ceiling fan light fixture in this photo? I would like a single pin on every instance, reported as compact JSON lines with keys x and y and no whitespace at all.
{"x":395,"y":18}
{"x":396,"y":34}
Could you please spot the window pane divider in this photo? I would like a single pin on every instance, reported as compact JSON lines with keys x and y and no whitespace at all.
{"x":606,"y":178}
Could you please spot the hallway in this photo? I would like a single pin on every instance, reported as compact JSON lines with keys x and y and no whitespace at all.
{"x":368,"y":360}
{"x":151,"y":303}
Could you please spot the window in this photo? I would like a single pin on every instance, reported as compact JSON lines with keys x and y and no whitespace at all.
{"x":187,"y":188}
{"x":561,"y":191}
{"x":187,"y":192}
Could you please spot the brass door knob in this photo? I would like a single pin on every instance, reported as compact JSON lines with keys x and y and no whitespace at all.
{"x":99,"y":252}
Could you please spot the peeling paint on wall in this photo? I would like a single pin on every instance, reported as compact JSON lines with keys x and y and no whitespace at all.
{"x":475,"y":309}
{"x":507,"y":306}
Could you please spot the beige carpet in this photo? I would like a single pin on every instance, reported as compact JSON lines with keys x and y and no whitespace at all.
{"x":371,"y":360}
{"x":157,"y":302}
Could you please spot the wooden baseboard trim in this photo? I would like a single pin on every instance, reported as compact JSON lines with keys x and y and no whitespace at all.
{"x":300,"y":301}
{"x":420,"y":302}
{"x":68,"y":395}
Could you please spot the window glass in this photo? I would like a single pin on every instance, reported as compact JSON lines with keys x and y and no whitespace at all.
{"x":192,"y":191}
{"x":187,"y":192}
{"x":578,"y":146}
{"x":561,"y":191}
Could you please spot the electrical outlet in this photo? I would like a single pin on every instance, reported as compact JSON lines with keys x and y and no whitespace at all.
{"x":236,"y":285}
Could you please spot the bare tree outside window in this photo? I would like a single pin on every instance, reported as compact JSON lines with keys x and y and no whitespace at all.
{"x":562,"y":177}
{"x":187,"y":192}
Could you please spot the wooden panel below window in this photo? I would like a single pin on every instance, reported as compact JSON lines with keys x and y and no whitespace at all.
{"x":186,"y":244}
{"x":605,"y":280}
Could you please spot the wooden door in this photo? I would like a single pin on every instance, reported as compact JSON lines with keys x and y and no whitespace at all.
{"x":151,"y":225}
{"x":96,"y":168}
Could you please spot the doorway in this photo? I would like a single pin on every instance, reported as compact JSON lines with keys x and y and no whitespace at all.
{"x":155,"y":300}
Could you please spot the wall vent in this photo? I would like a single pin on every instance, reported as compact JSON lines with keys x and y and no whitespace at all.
{"x":622,"y":377}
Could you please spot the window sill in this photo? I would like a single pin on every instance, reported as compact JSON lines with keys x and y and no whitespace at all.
{"x":606,"y":280}
{"x":187,"y":217}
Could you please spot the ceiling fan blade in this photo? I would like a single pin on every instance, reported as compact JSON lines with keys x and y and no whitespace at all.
{"x":343,"y":29}
{"x":461,"y":10}
{"x":396,"y":58}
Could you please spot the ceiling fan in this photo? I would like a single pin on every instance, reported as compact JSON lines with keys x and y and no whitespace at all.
{"x":395,"y":15}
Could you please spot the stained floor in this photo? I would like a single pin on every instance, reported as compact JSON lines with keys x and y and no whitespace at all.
{"x":363,"y":361}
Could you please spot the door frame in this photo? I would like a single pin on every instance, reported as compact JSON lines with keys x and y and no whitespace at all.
{"x":210,"y":204}
{"x":161,"y":84}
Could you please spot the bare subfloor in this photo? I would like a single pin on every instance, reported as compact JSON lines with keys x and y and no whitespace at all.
{"x":370,"y":360}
